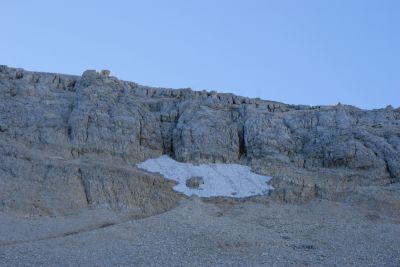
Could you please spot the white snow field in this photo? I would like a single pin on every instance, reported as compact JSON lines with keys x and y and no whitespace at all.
{"x":227,"y":180}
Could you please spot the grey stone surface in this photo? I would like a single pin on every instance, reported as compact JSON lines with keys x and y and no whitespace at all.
{"x":318,"y":233}
{"x":65,"y":140}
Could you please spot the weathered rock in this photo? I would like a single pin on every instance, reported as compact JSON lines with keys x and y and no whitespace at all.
{"x":107,"y":119}
{"x":205,"y":134}
{"x":194,"y":182}
{"x":51,"y":123}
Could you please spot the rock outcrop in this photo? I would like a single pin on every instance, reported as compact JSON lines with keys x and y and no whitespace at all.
{"x":68,"y":142}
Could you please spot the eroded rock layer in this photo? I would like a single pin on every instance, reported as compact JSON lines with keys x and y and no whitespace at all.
{"x":68,"y":142}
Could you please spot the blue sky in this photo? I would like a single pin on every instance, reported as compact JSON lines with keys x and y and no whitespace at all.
{"x":299,"y":52}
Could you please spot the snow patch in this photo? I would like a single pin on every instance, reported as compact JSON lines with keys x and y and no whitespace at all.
{"x":228,"y":180}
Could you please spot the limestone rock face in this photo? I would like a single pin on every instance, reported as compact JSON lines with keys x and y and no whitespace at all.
{"x":107,"y":119}
{"x":55,"y":129}
{"x":206,"y":134}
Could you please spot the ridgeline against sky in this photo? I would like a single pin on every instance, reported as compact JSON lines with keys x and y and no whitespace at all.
{"x":299,"y":52}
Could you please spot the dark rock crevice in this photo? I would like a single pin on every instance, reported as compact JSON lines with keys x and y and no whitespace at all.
{"x":85,"y":187}
{"x":242,"y":144}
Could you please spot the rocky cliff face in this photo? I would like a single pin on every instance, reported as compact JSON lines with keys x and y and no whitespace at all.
{"x":68,"y":142}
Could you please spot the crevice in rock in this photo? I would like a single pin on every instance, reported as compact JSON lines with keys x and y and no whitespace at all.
{"x":140,"y":132}
{"x":71,"y":86}
{"x":87,"y":128}
{"x":69,"y":132}
{"x":19,"y":74}
{"x":390,"y":172}
{"x":84,"y":187}
{"x":172,"y":152}
{"x":242,"y":144}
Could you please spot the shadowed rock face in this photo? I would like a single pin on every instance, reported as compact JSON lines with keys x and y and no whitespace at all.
{"x":56,"y":130}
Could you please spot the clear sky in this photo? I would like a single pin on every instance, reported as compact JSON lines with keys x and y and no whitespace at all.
{"x":298,"y":51}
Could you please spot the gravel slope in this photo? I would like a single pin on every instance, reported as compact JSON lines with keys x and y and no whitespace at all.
{"x":195,"y":233}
